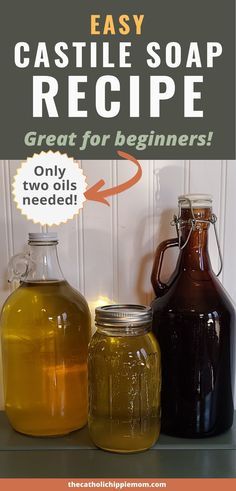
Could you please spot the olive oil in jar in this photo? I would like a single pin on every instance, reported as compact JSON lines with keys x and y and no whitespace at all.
{"x":45,"y":328}
{"x":124,"y":380}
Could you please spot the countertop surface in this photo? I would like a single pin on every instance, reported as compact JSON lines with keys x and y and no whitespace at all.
{"x":74,"y":456}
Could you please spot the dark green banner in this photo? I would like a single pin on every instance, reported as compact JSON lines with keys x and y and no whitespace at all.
{"x":154,"y":78}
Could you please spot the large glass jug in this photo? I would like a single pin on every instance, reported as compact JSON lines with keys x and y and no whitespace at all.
{"x":45,"y":331}
{"x":193,"y":320}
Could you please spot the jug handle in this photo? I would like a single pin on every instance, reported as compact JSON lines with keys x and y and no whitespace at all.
{"x":159,"y":287}
{"x":18,"y":268}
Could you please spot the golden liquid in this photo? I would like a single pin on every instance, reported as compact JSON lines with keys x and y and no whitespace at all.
{"x":124,"y":392}
{"x":45,"y":334}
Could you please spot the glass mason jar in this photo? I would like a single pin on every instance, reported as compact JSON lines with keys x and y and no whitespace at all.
{"x":45,"y":331}
{"x":194,"y":322}
{"x":124,"y":380}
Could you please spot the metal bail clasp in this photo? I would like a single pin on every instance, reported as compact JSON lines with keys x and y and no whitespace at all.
{"x":178,"y":222}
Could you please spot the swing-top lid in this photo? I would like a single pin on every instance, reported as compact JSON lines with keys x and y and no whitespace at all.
{"x":195,"y":200}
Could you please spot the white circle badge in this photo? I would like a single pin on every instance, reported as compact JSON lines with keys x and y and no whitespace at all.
{"x":49,"y":188}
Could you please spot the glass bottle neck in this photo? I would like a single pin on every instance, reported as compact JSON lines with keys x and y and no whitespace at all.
{"x":195,"y":256}
{"x":43,"y":263}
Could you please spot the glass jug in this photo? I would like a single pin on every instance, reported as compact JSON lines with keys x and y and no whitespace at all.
{"x":193,"y":320}
{"x":124,"y":380}
{"x":45,"y":331}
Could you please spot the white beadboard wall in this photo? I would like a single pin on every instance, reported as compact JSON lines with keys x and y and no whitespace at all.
{"x":108,"y":251}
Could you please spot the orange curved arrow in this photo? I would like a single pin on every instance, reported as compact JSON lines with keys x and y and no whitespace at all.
{"x":94,"y":193}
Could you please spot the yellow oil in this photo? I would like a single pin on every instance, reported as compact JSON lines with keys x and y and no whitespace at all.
{"x":124,"y":392}
{"x":45,"y":330}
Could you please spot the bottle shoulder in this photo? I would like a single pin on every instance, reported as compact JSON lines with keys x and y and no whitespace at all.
{"x":195,"y":291}
{"x":48,"y":297}
{"x":75,"y":295}
{"x":101,"y":344}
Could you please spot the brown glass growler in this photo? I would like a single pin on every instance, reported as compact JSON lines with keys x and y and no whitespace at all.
{"x":193,"y":320}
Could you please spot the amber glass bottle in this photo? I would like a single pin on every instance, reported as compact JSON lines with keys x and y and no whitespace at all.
{"x":193,"y":320}
{"x":45,"y":330}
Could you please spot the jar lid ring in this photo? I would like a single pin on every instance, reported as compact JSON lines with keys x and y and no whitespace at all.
{"x":123,"y":315}
{"x":43,"y":237}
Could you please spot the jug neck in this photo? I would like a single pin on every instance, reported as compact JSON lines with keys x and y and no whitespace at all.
{"x":195,"y":255}
{"x":43,"y":263}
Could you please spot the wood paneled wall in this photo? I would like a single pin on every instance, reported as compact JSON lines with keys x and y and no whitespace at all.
{"x":108,"y":251}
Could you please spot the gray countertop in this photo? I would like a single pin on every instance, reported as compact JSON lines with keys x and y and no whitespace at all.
{"x":74,"y":456}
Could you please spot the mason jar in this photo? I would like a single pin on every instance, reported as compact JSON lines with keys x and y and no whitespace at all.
{"x":124,"y":379}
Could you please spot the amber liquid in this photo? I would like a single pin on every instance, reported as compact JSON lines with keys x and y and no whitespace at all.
{"x":194,"y":324}
{"x":124,"y":394}
{"x":45,"y":336}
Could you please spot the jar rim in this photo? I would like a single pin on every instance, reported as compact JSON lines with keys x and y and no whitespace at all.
{"x":123,"y":316}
